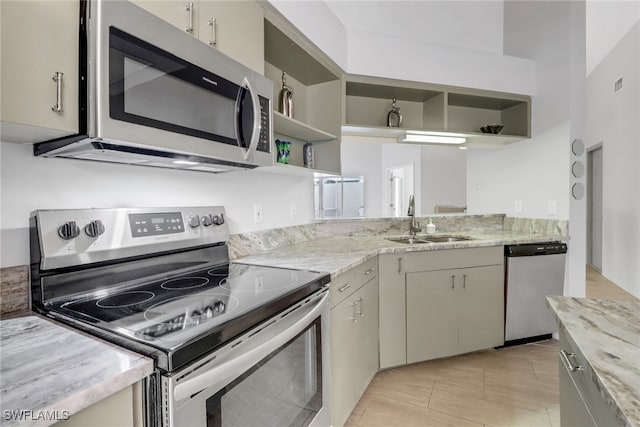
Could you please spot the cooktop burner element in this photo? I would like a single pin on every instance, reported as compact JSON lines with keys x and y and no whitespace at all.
{"x":125,"y":299}
{"x":184,"y":283}
{"x":170,"y":293}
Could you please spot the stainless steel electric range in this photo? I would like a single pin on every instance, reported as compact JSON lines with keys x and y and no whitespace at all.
{"x":234,"y":344}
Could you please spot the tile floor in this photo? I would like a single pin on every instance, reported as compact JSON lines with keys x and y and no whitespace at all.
{"x":511,"y":387}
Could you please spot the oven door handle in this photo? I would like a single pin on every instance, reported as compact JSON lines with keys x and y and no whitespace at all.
{"x":221,"y":375}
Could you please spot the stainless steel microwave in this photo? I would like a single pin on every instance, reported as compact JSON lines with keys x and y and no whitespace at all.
{"x":153,"y":95}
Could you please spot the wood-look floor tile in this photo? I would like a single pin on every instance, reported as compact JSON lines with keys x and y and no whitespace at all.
{"x":403,"y":386}
{"x":517,"y":387}
{"x":448,"y":371}
{"x":384,"y":412}
{"x":473,"y":406}
{"x":554,"y":414}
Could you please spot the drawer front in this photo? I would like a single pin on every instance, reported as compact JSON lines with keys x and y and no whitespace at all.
{"x":452,"y":258}
{"x":603,"y":413}
{"x":349,"y":282}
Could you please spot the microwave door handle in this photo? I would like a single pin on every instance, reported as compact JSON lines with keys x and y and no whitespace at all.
{"x":220,"y":376}
{"x":257,"y":122}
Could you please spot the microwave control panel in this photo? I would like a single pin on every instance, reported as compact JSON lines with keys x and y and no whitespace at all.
{"x":264,"y":142}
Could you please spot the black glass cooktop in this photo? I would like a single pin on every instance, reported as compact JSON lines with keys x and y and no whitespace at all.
{"x":214,"y":303}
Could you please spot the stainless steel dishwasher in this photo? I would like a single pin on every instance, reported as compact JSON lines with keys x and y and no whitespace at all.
{"x":533,"y":271}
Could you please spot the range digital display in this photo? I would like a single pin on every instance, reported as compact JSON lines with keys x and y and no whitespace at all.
{"x":156,"y":224}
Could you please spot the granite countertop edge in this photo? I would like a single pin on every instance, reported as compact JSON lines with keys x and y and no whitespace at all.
{"x":628,"y":413}
{"x":77,"y":372}
{"x":326,"y":255}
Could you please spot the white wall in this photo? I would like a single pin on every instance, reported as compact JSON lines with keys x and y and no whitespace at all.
{"x":607,"y":23}
{"x":444,"y":177}
{"x":477,"y":26}
{"x":440,"y":172}
{"x":536,"y":171}
{"x":613,"y":119}
{"x":29,"y":183}
{"x":408,"y":59}
{"x":363,"y":157}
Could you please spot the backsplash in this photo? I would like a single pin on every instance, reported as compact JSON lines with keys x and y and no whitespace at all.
{"x":244,"y":244}
{"x":399,"y":226}
{"x":553,"y":227}
{"x":14,"y":281}
{"x":14,"y":289}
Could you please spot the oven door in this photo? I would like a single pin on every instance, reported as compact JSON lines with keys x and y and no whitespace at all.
{"x":275,"y":375}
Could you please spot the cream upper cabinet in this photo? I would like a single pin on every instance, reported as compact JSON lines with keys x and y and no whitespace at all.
{"x":235,"y":28}
{"x":182,"y":14}
{"x":39,"y":69}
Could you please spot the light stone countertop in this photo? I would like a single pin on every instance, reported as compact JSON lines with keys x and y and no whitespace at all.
{"x":45,"y":366}
{"x":608,"y":335}
{"x":339,"y":254}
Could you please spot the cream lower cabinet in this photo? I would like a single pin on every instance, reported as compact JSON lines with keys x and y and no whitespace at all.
{"x":122,"y":409}
{"x":454,"y":311}
{"x":354,"y":348}
{"x":581,"y":402}
{"x":440,"y":303}
{"x":39,"y":41}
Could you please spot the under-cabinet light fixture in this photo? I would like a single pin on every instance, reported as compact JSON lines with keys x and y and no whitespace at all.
{"x":184,"y":162}
{"x":423,"y":137}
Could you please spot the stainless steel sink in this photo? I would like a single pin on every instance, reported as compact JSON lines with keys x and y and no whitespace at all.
{"x":406,"y":240}
{"x":428,"y":239}
{"x":439,"y":239}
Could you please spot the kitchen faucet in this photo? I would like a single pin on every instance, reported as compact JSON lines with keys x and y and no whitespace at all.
{"x":414,"y":227}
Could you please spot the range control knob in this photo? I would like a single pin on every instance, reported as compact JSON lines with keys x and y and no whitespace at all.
{"x":206,"y":220}
{"x":218,"y":219}
{"x":94,"y":228}
{"x":68,"y":230}
{"x":194,"y":221}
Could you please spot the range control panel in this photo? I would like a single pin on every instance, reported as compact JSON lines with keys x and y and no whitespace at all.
{"x":84,"y":236}
{"x":155,"y":224}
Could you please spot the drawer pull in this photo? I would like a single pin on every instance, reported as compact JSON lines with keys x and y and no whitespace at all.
{"x":355,"y":314}
{"x":369,"y":271}
{"x":453,"y":281}
{"x":567,"y":363}
{"x":361,"y":312}
{"x":344,"y":288}
{"x":464,"y":281}
{"x":399,"y":265}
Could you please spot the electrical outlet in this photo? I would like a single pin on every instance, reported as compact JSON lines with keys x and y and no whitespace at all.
{"x":553,"y":207}
{"x":518,"y":207}
{"x":293,"y":212}
{"x":257,"y":214}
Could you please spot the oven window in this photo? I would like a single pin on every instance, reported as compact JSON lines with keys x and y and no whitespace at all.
{"x":283,"y":390}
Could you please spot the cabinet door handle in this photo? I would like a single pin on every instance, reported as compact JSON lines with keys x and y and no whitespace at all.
{"x":464,"y":281}
{"x":567,"y":363}
{"x":399,"y":265}
{"x":453,"y":281}
{"x":344,"y":288}
{"x":355,"y":314}
{"x":369,"y":271}
{"x":189,"y":8}
{"x":212,"y":24}
{"x":361,"y":312}
{"x":57,"y":77}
